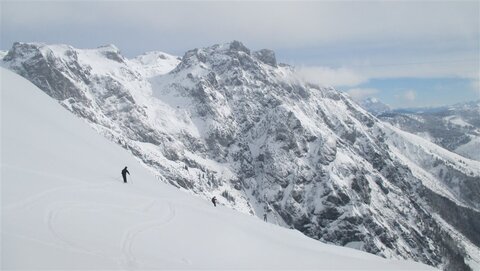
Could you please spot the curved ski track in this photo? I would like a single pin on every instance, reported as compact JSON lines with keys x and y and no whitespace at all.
{"x":53,"y":210}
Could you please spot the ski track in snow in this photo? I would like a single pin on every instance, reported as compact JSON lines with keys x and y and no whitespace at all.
{"x":128,"y":259}
{"x":51,"y":216}
{"x":130,"y":262}
{"x":32,"y":200}
{"x":54,"y":210}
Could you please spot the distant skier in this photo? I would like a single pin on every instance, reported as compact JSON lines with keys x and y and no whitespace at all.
{"x":265,"y":217}
{"x":214,"y":201}
{"x":124,"y":174}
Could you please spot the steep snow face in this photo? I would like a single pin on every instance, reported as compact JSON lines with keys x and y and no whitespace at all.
{"x":64,"y":206}
{"x":228,"y":121}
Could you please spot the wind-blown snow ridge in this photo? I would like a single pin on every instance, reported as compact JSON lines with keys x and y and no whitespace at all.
{"x":64,"y":206}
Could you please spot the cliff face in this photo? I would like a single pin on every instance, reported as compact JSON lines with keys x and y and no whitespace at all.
{"x":228,"y":121}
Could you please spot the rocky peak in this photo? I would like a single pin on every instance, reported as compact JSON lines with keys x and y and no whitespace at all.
{"x":267,"y":56}
{"x":153,"y":57}
{"x":233,"y":62}
{"x":111,"y":52}
{"x":233,"y":53}
{"x":109,"y":48}
{"x":21,"y":50}
{"x":239,"y":47}
{"x":55,"y":52}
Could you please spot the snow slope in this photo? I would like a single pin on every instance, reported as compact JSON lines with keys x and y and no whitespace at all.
{"x":151,"y":66}
{"x":64,"y":206}
{"x":422,"y":152}
{"x":471,"y":149}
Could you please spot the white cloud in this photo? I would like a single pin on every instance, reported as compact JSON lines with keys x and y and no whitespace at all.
{"x":326,"y":76}
{"x":410,"y":95}
{"x":460,"y":66}
{"x":360,"y":94}
{"x":407,"y":95}
{"x":475,"y":84}
{"x":378,"y":43}
{"x":295,"y":24}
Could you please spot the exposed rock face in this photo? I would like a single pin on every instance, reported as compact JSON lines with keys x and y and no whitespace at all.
{"x":267,"y":57}
{"x":230,"y":122}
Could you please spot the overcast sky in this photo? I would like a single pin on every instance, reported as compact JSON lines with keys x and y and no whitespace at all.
{"x":408,"y":54}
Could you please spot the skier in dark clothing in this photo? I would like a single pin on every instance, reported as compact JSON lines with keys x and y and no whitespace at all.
{"x":265,"y":217}
{"x":124,"y":174}
{"x":214,"y":201}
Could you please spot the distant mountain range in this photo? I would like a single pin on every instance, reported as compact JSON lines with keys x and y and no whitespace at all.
{"x":455,"y":127}
{"x":228,"y":121}
{"x":375,"y":106}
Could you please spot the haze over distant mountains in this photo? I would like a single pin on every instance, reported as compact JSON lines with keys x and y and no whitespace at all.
{"x":455,"y":127}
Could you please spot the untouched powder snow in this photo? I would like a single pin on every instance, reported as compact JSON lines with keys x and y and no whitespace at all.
{"x":64,"y":206}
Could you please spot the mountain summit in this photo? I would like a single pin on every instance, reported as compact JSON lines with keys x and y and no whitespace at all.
{"x":234,"y":123}
{"x":374,"y":106}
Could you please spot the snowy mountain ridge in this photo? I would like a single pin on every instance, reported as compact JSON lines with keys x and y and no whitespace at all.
{"x":228,"y":121}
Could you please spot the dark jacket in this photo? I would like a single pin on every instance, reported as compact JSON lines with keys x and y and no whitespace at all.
{"x":125,"y":171}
